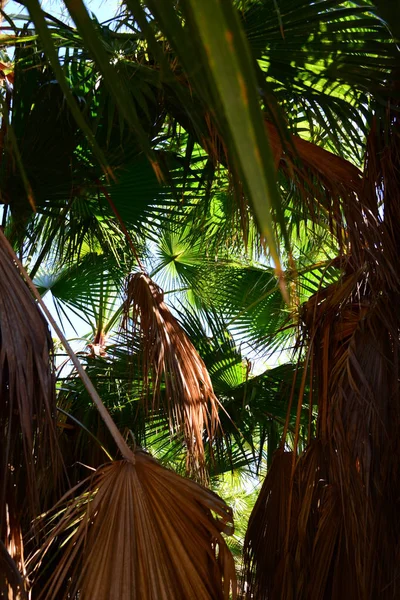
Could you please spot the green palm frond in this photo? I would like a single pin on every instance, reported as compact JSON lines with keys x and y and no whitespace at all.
{"x":242,"y":157}
{"x":310,"y":55}
{"x":92,"y":288}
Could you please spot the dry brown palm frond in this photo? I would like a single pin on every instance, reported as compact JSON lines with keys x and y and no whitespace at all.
{"x":11,"y":583}
{"x":29,"y":456}
{"x":323,"y":180}
{"x":342,"y":496}
{"x":333,"y":171}
{"x":346,"y":481}
{"x":323,"y":556}
{"x":267,"y":531}
{"x":12,"y":562}
{"x":141,"y":532}
{"x":319,"y":556}
{"x":169,"y":358}
{"x":28,"y":444}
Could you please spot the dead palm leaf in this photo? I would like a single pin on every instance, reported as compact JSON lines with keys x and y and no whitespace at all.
{"x":13,"y":579}
{"x":170,"y":358}
{"x":28,"y":444}
{"x":333,"y":172}
{"x":323,"y":515}
{"x":141,"y":532}
{"x":11,"y":583}
{"x":267,"y":531}
{"x":343,"y":492}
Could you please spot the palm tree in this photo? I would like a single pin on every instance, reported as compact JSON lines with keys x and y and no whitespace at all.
{"x":203,"y":184}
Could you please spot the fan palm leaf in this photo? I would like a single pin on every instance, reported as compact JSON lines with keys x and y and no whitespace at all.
{"x":139,"y":530}
{"x":203,"y":89}
{"x":170,"y":357}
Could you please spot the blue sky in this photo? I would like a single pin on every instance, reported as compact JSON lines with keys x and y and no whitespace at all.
{"x":103,"y":9}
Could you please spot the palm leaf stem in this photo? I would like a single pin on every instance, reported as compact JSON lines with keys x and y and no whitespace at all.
{"x":119,"y":440}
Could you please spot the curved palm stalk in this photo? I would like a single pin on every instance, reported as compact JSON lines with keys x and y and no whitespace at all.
{"x":170,"y":358}
{"x":138,"y":496}
{"x":139,"y":531}
{"x":119,"y":440}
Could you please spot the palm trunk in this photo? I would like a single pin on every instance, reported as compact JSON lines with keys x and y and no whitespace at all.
{"x":328,"y":527}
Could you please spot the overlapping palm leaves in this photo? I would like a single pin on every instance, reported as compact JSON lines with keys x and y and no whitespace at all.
{"x":104,"y":201}
{"x":320,"y":510}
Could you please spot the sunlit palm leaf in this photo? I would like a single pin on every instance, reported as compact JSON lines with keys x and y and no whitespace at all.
{"x":170,"y":357}
{"x":141,"y":531}
{"x":228,"y":82}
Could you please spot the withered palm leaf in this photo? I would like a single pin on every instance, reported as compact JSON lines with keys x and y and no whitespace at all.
{"x":340,"y":535}
{"x":11,"y":583}
{"x":27,"y":394}
{"x":265,"y":536}
{"x":169,"y":357}
{"x":142,"y":532}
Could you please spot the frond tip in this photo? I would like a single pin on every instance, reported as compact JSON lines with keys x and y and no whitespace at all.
{"x":142,"y":532}
{"x":169,"y":357}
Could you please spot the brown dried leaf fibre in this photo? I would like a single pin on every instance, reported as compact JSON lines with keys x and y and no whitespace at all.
{"x":170,"y":359}
{"x":142,"y":532}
